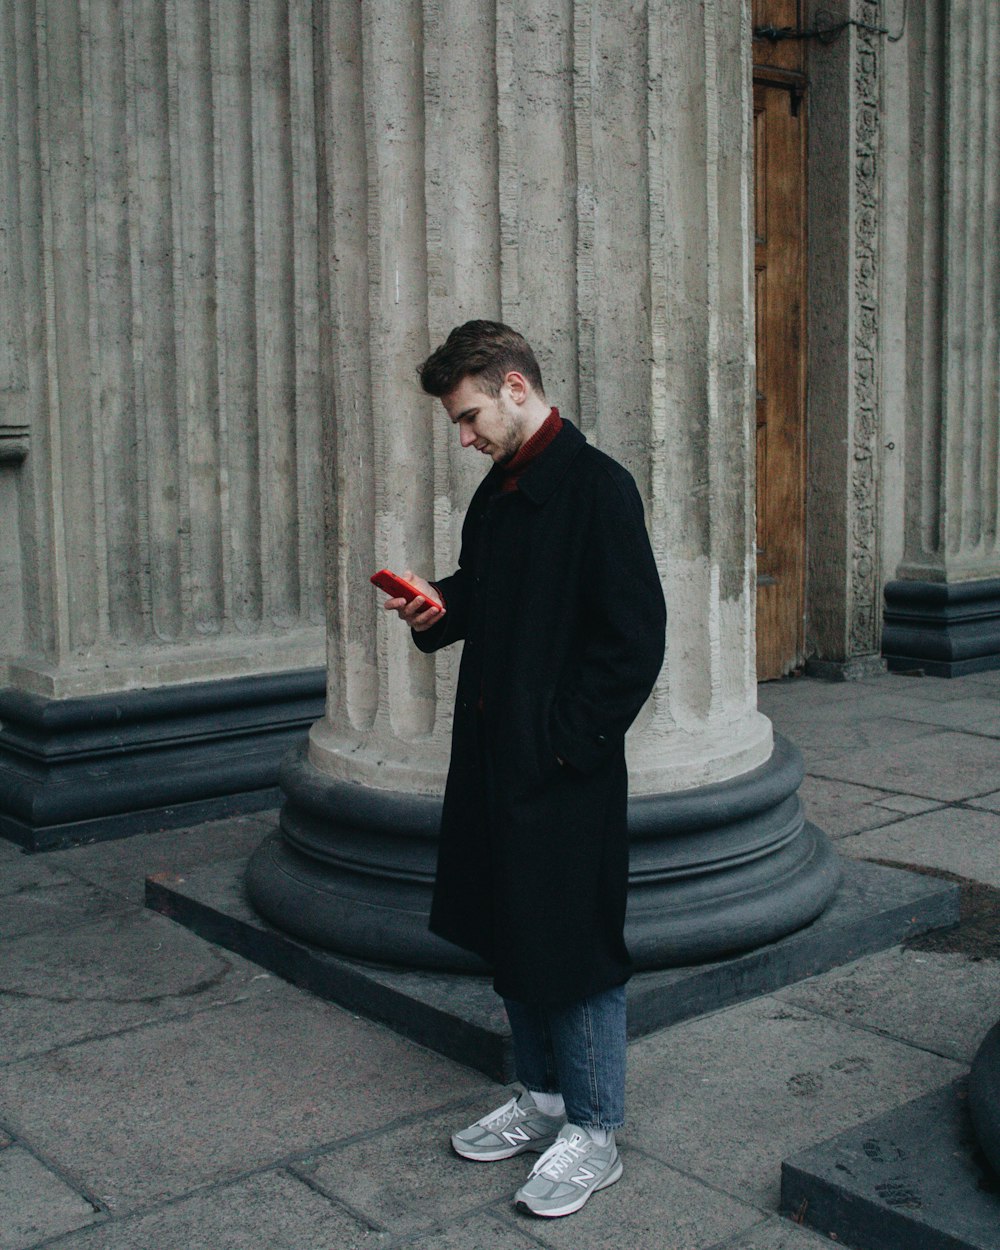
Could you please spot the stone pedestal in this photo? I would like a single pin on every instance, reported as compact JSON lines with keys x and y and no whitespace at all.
{"x":614,"y":205}
{"x":942,"y":613}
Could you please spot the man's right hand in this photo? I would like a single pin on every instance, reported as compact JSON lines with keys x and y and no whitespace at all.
{"x":418,"y":614}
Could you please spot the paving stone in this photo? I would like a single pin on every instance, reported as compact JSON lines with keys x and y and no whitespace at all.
{"x":35,"y":1203}
{"x":828,"y":740}
{"x":977,"y":713}
{"x":430,"y":1184}
{"x":988,"y":802}
{"x":910,"y":1179}
{"x":480,"y":1232}
{"x":147,"y":1115}
{"x":36,"y":898}
{"x":729,"y":1096}
{"x":652,"y":1207}
{"x":840,"y":808}
{"x":944,"y":765}
{"x":117,"y":973}
{"x":272,"y":1211}
{"x":908,"y":804}
{"x":122,"y":866}
{"x":942,"y":1002}
{"x":777,"y":1233}
{"x":953,"y":838}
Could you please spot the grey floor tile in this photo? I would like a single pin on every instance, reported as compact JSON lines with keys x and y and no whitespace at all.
{"x":944,"y":765}
{"x":840,"y":808}
{"x":410,"y":1179}
{"x":729,"y":1096}
{"x":988,"y":802}
{"x":652,"y":1207}
{"x":777,"y":1233}
{"x":35,"y":1203}
{"x":272,"y":1211}
{"x":122,"y":865}
{"x":872,"y":737}
{"x":37,"y":898}
{"x":112,"y":974}
{"x":908,"y":804}
{"x":943,"y":1002}
{"x":149,"y":1114}
{"x":975,"y":713}
{"x":479,"y":1232}
{"x":953,"y":838}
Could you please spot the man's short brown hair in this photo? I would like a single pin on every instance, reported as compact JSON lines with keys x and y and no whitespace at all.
{"x":484,"y":350}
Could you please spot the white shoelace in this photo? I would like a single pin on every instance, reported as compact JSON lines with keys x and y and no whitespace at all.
{"x":562,"y":1154}
{"x":502,"y":1116}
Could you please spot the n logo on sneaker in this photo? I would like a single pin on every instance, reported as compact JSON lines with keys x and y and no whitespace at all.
{"x":515,"y":1135}
{"x":582,"y":1177}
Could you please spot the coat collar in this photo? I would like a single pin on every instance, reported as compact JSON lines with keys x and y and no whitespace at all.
{"x":544,"y":473}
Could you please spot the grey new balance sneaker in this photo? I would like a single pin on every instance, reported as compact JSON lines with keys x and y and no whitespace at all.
{"x":515,"y":1127}
{"x":573,"y":1168}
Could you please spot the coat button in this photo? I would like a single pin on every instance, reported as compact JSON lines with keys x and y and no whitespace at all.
{"x":600,"y":739}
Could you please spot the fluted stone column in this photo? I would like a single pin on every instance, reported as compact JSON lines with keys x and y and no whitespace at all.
{"x":943,"y":611}
{"x":583,"y":171}
{"x":160,"y":403}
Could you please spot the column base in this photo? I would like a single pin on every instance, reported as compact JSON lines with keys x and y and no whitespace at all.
{"x":110,"y":765}
{"x":714,"y":871}
{"x":944,"y":629}
{"x":984,"y":1096}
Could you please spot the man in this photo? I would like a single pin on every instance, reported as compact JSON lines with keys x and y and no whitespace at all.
{"x":559,"y":604}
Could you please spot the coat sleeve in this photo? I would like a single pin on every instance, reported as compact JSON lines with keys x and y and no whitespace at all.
{"x":452,"y":626}
{"x":623,"y":633}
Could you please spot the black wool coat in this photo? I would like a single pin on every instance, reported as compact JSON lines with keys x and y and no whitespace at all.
{"x":560,"y":606}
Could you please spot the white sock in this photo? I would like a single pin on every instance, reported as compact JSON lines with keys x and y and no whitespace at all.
{"x":600,"y":1135}
{"x":548,"y":1104}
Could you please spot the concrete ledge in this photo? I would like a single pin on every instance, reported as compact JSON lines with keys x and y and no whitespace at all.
{"x":106,"y":766}
{"x":912,"y":1179}
{"x":945,"y":629}
{"x":984,"y":1096}
{"x":458,"y":1015}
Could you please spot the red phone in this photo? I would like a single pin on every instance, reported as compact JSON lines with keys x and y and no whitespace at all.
{"x":396,"y":588}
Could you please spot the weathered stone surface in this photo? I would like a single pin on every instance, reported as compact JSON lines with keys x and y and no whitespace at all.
{"x":777,"y":1234}
{"x":943,"y":1003}
{"x":273,"y":1210}
{"x":938,"y":765}
{"x":35,"y":1203}
{"x":481,"y":1232}
{"x":39,"y":899}
{"x":113,"y":974}
{"x":989,"y":802}
{"x":910,"y":1179}
{"x":956,"y":839}
{"x":769,"y":1078}
{"x":150,"y":1114}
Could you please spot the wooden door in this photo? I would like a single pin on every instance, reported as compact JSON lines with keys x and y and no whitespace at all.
{"x":780,"y":211}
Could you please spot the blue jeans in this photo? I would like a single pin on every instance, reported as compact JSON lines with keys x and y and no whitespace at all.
{"x":577,"y":1051}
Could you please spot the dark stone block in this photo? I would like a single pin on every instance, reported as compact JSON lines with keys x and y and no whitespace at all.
{"x":458,"y":1015}
{"x":105,"y":766}
{"x":912,"y":1179}
{"x":984,"y":1097}
{"x":947,"y":629}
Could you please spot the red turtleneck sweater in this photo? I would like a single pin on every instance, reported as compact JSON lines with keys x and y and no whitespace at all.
{"x":528,"y":450}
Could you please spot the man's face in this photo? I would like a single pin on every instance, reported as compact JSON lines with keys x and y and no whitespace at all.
{"x":492,"y":426}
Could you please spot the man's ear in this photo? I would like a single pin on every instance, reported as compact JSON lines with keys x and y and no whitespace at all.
{"x":519,"y":386}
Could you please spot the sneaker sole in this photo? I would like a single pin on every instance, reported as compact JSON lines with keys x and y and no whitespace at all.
{"x":567,"y":1208}
{"x":507,"y":1152}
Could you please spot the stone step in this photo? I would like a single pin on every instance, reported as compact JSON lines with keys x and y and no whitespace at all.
{"x":911,"y":1179}
{"x":460,"y":1016}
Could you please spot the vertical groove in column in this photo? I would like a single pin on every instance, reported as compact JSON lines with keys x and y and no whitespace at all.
{"x":352,"y":616}
{"x":394,"y":116}
{"x":613,"y":280}
{"x":538,"y":185}
{"x":197,"y":382}
{"x":236,"y":324}
{"x":679,"y":265}
{"x":41,"y":585}
{"x":990,"y":311}
{"x":150,"y":195}
{"x":13,"y":364}
{"x":275,"y":320}
{"x":309,"y":461}
{"x":973,"y":91}
{"x":463,"y":242}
